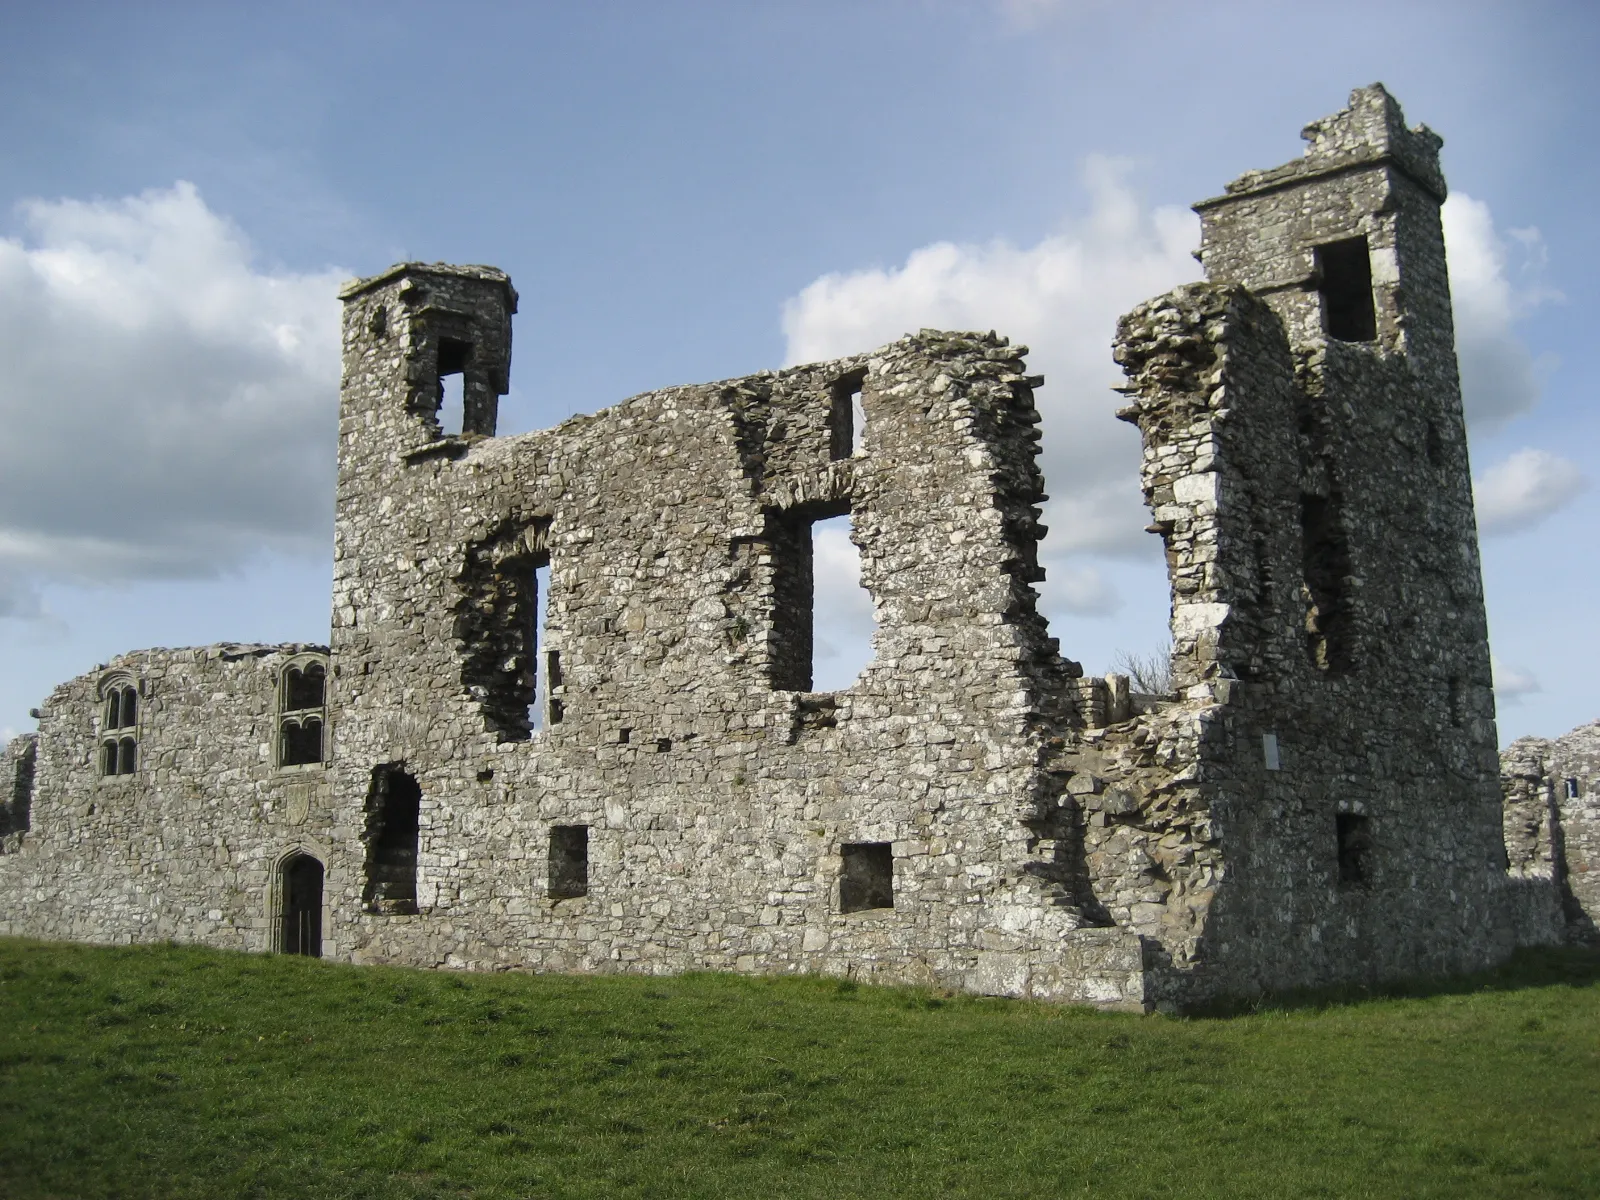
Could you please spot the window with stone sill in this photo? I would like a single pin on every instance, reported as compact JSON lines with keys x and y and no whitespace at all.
{"x":119,"y":727}
{"x":302,"y":713}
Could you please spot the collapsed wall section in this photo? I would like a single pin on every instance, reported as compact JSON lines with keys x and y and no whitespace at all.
{"x":21,"y":760}
{"x":1552,"y":835}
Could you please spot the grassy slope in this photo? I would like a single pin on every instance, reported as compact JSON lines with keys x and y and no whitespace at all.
{"x":178,"y":1072}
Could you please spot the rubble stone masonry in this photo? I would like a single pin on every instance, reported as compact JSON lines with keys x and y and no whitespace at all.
{"x":650,"y":783}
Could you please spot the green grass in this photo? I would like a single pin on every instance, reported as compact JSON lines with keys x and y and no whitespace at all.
{"x":178,"y":1072}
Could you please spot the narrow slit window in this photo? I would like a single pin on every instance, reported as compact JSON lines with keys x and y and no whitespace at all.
{"x":867,"y":878}
{"x":1325,"y":567}
{"x":569,"y":862}
{"x":1344,"y":270}
{"x":394,"y":804}
{"x":537,"y":699}
{"x":847,"y":419}
{"x":1355,"y":847}
{"x":553,"y":681}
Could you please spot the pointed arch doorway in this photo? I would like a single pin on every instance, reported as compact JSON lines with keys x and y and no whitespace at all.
{"x":300,"y":906}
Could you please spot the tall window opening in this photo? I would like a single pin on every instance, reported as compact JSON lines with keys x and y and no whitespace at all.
{"x":302,"y":716}
{"x":500,"y":619}
{"x":1355,"y":847}
{"x":300,"y":911}
{"x":569,"y":862}
{"x":1344,"y":270}
{"x":393,"y":809}
{"x":453,"y":358}
{"x":847,"y":419}
{"x":867,"y":878}
{"x":823,"y":621}
{"x":1325,"y":565}
{"x":119,"y":746}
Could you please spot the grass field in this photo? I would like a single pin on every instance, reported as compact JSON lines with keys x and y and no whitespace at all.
{"x":176,"y":1072}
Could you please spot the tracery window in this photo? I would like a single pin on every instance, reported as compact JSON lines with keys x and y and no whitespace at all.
{"x":302,"y":713}
{"x":119,"y":727}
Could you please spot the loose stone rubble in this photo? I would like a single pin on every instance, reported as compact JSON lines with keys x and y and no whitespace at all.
{"x":654,"y":786}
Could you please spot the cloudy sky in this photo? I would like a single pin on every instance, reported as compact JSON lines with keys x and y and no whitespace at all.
{"x":690,"y":191}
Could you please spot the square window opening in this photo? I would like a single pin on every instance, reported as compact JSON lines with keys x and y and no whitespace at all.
{"x":569,"y":862}
{"x":867,"y":878}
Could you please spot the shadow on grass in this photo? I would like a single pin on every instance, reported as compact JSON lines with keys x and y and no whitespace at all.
{"x":1538,"y":967}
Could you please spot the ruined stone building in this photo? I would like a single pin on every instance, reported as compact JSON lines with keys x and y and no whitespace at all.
{"x":1317,"y":799}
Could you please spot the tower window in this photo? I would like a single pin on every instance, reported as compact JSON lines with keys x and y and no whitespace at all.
{"x":1571,"y":789}
{"x":867,"y":878}
{"x":454,"y":355}
{"x":1344,"y":270}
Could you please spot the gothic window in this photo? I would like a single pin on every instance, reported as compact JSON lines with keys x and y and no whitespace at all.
{"x":119,"y":730}
{"x":302,"y":713}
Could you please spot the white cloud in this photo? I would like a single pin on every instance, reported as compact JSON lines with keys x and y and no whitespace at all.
{"x":1512,"y":683}
{"x":1080,"y":589}
{"x":1062,"y":297}
{"x":1524,"y":488}
{"x":169,"y":408}
{"x":1500,"y":378}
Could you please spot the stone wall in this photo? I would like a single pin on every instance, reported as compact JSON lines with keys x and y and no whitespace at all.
{"x":651,"y":784}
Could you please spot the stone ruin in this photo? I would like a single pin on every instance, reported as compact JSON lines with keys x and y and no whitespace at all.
{"x":653,"y":785}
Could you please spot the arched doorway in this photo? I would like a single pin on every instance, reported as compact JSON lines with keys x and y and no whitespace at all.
{"x":300,"y":915}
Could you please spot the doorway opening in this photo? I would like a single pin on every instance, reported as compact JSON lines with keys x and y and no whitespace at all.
{"x":300,"y":911}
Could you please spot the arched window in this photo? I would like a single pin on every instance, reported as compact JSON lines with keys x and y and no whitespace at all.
{"x":119,"y":744}
{"x":302,"y":713}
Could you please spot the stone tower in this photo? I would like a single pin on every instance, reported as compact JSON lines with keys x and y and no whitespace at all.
{"x":1306,"y":463}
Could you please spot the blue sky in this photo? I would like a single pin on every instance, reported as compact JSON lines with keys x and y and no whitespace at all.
{"x":691,"y":191}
